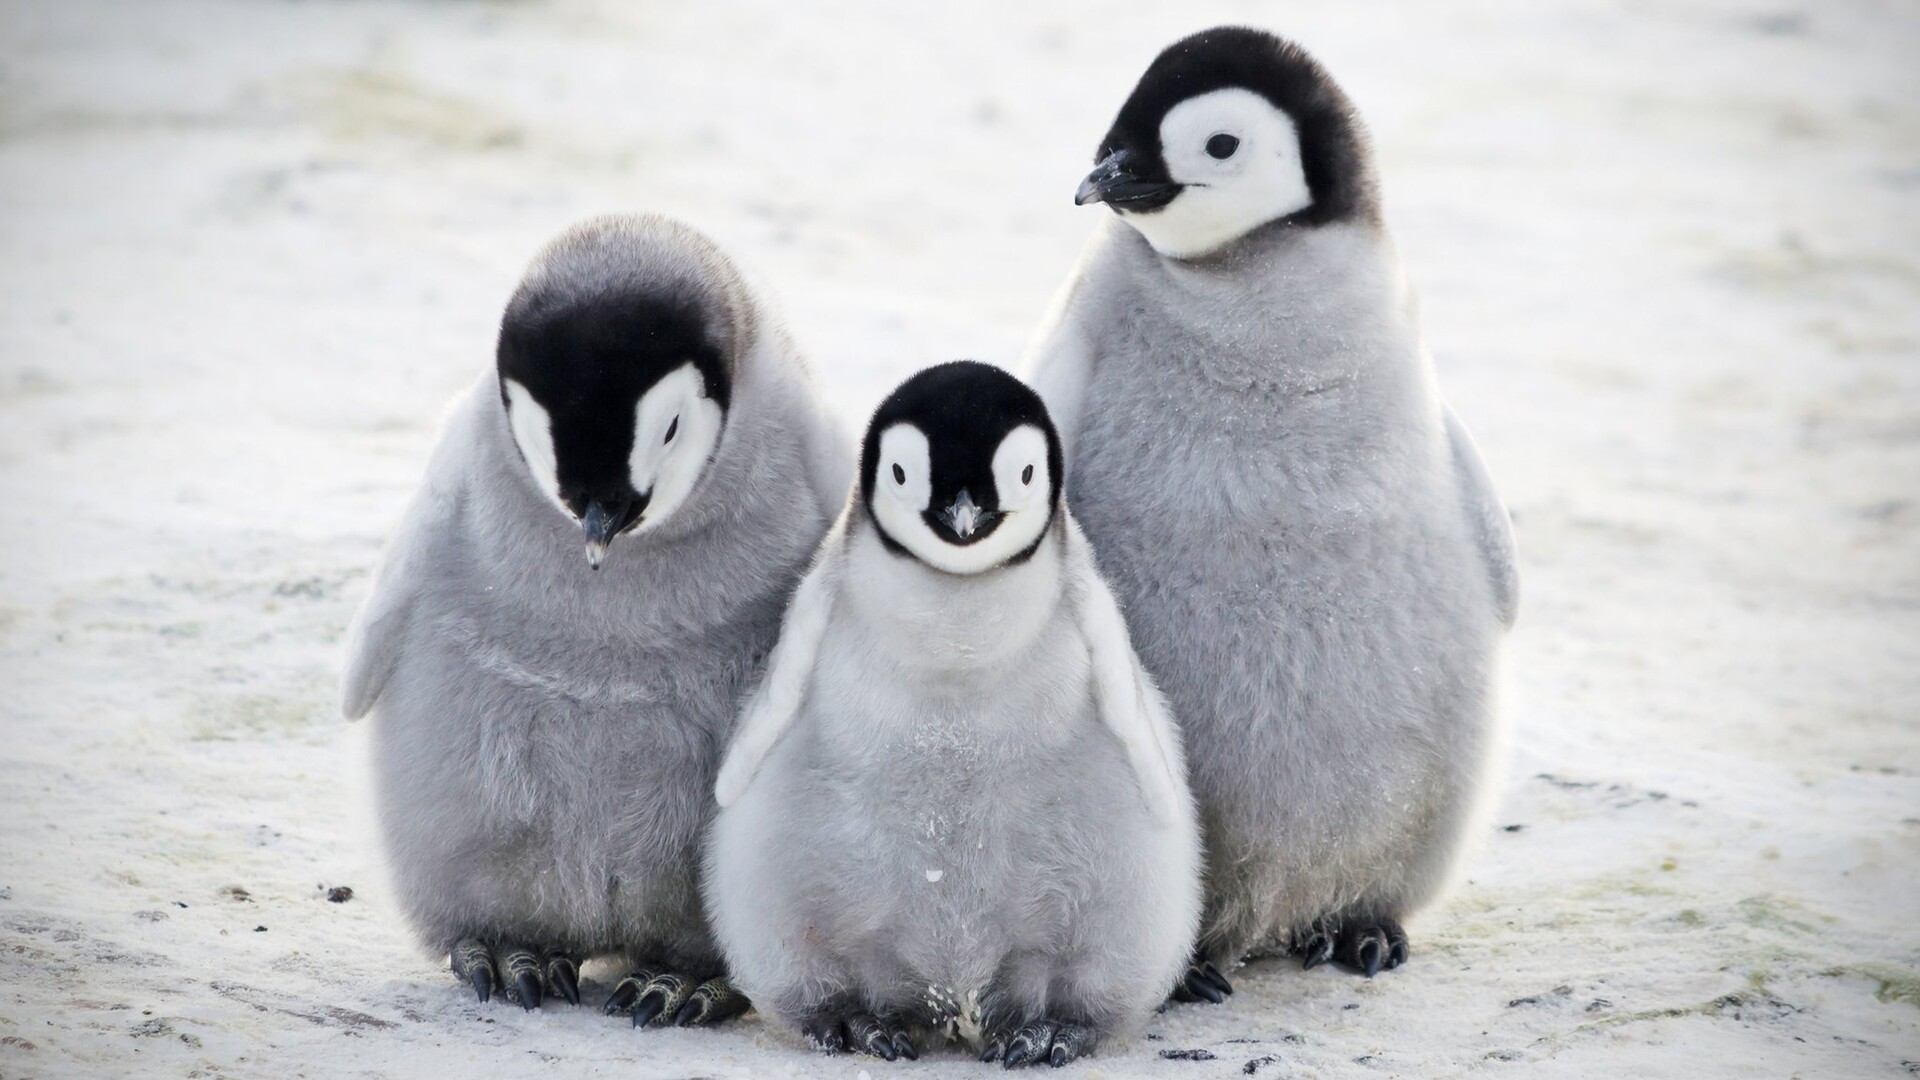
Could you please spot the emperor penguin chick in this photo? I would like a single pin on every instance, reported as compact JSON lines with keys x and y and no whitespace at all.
{"x":1313,"y":562}
{"x":547,"y":726}
{"x":956,"y":804}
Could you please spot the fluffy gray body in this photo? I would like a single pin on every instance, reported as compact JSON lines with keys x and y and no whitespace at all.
{"x":546,"y":735}
{"x":1311,"y":560}
{"x":948,"y":831}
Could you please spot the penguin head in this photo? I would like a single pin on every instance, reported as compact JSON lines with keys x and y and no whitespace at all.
{"x":961,"y":468}
{"x":614,"y":372}
{"x":1228,"y":130}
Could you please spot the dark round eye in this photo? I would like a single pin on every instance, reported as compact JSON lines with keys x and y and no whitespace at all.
{"x":1026,"y":475}
{"x":672,"y":430}
{"x":1222,"y":146}
{"x":899,"y":475}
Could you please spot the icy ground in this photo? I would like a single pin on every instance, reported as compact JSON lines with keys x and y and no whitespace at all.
{"x":1670,"y":255}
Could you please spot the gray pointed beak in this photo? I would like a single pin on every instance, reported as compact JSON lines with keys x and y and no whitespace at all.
{"x":963,"y":515}
{"x":604,"y":520}
{"x":1116,"y":182}
{"x":598,"y":525}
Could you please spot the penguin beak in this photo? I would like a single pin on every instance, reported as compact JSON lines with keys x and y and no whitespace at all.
{"x":966,"y":519}
{"x":605,"y":519}
{"x":1117,"y":182}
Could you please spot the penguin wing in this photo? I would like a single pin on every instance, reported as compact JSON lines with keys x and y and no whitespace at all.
{"x":829,"y":459}
{"x":1492,"y":525}
{"x":1059,"y":364}
{"x":379,"y":632}
{"x":783,"y":688}
{"x":1128,"y":702}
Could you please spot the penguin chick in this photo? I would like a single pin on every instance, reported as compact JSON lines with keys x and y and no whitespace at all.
{"x":1313,"y":561}
{"x":547,"y":726}
{"x":956,"y":805}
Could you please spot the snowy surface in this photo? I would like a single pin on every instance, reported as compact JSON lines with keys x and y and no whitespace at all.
{"x":1670,"y":256}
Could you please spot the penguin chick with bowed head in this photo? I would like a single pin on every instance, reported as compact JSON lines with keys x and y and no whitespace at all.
{"x":546,"y":726}
{"x":956,"y":804}
{"x":1313,"y":561}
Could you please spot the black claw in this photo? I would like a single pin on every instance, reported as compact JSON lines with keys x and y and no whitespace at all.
{"x":869,"y":1035}
{"x":474,"y":962}
{"x":1069,"y":1043}
{"x":1370,"y":956}
{"x":623,"y":996}
{"x":825,"y":1034}
{"x":565,"y":981}
{"x":520,"y":972}
{"x":1199,"y":987}
{"x":1317,"y":950}
{"x":1397,"y":948}
{"x":564,"y":976}
{"x":996,"y":1049}
{"x":1212,"y":975}
{"x":1029,"y":1045}
{"x":482,"y":979}
{"x":904,"y":1046}
{"x":528,"y":986}
{"x":651,"y":1005}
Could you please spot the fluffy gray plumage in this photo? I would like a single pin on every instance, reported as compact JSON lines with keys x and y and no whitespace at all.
{"x":972,"y":814}
{"x":1311,"y":558}
{"x":545,"y":734}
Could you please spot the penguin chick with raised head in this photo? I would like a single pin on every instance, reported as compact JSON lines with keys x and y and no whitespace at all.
{"x":956,"y":803}
{"x":1313,"y":562}
{"x":546,"y":726}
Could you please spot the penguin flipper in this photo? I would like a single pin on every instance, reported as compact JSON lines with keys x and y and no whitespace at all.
{"x":776,"y":702}
{"x":1493,"y":526}
{"x":379,"y":634}
{"x":1128,"y":702}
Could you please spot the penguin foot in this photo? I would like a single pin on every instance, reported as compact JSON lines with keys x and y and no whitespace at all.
{"x":1368,"y":946}
{"x":524,"y":974}
{"x":1043,"y":1042}
{"x":661,"y":998}
{"x":836,"y":1028}
{"x":1202,"y":982}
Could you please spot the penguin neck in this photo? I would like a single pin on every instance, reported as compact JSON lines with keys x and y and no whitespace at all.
{"x":929,"y":620}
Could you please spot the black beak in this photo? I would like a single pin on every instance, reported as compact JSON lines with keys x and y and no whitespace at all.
{"x":1115,"y":182}
{"x":605,"y":519}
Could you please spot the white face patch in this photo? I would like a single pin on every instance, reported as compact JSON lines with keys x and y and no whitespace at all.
{"x":533,"y":433}
{"x":1224,"y":198}
{"x":676,"y":428}
{"x":903,"y":485}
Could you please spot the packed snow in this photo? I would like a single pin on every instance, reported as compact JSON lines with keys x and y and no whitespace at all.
{"x":1670,"y":262}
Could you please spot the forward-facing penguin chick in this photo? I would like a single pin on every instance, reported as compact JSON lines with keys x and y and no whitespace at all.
{"x":1313,"y":562}
{"x":956,"y":804}
{"x":547,"y":727}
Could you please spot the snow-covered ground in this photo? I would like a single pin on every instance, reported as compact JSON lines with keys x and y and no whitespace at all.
{"x":1670,"y":255}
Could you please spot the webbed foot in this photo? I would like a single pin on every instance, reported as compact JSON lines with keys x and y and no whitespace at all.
{"x":1201,"y":982}
{"x":656,"y":996}
{"x":837,"y":1027}
{"x":1368,"y":946}
{"x":525,"y":974}
{"x":1043,"y":1042}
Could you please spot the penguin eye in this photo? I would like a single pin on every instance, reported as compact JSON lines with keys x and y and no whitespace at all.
{"x":899,"y":474}
{"x":1222,"y":146}
{"x":1026,"y":475}
{"x":672,"y":430}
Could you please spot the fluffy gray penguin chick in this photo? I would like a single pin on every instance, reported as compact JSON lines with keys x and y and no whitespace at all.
{"x":956,"y":805}
{"x":547,"y":726}
{"x":1312,"y":560}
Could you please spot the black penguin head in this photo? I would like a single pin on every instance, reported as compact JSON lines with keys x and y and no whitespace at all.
{"x":961,"y":468}
{"x":616,"y":383}
{"x":1230,"y":129}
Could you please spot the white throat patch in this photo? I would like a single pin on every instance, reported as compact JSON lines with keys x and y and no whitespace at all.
{"x":1223,"y":199}
{"x":903,"y":490}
